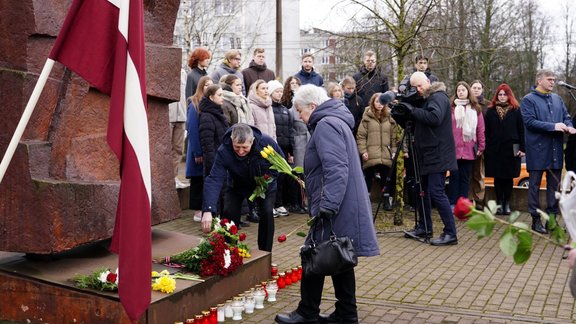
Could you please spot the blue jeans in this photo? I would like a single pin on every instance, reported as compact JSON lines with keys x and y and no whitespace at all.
{"x":433,"y":185}
{"x":552,"y":179}
{"x":460,"y":180}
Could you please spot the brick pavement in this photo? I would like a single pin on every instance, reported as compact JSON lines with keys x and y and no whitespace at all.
{"x":412,"y":282}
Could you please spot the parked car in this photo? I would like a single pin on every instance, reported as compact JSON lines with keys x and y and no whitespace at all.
{"x":522,"y":180}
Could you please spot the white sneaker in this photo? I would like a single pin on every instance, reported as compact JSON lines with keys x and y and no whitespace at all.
{"x":180,"y":184}
{"x":198,"y":216}
{"x":282,"y":211}
{"x":275,"y":213}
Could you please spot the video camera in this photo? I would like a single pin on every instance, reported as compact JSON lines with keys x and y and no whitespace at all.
{"x":403,"y":102}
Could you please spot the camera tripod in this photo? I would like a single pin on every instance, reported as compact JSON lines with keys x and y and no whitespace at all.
{"x":417,"y":182}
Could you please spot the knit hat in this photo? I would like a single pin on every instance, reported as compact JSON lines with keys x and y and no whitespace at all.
{"x":274,"y":85}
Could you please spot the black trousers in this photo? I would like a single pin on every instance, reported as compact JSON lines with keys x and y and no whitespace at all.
{"x":232,"y":209}
{"x":503,"y":189}
{"x":311,"y":288}
{"x":196,"y":185}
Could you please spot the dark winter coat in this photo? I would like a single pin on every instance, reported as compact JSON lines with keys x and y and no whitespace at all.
{"x":334,"y":178}
{"x":194,"y":147}
{"x":543,"y":144}
{"x":309,"y":77}
{"x":192,"y":81}
{"x":255,"y":72}
{"x":212,"y":127}
{"x":356,"y":105}
{"x":433,"y":137}
{"x":239,"y":170}
{"x":501,"y":135}
{"x":301,"y":138}
{"x":284,"y":127}
{"x":370,"y":82}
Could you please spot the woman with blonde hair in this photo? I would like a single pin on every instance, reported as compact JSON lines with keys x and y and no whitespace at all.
{"x":261,"y":105}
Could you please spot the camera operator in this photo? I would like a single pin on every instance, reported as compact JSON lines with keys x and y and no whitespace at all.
{"x":436,"y":154}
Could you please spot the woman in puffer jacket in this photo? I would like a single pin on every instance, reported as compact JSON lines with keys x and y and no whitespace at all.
{"x":377,"y":140}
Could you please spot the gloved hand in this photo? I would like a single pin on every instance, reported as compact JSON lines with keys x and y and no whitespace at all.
{"x":325,"y":213}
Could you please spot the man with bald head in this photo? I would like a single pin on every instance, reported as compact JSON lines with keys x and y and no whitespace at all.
{"x":436,"y":154}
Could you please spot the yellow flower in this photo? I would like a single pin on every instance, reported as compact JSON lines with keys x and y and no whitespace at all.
{"x":165,"y":284}
{"x":155,"y":274}
{"x":272,"y":152}
{"x":268,"y":149}
{"x":264,"y":155}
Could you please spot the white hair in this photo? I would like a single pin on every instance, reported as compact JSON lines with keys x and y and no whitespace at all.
{"x":242,"y":133}
{"x":308,"y":94}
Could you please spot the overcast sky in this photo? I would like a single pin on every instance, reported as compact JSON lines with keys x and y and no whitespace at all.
{"x":332,"y":15}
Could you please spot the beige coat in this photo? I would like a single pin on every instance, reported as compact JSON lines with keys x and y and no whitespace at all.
{"x":377,"y":138}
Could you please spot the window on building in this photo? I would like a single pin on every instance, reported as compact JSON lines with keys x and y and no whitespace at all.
{"x":196,"y":42}
{"x":238,"y":43}
{"x":223,"y":7}
{"x":304,"y":51}
{"x":325,"y":60}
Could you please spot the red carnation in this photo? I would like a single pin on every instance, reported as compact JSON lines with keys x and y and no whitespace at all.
{"x":111,"y":277}
{"x":233,"y":230}
{"x":282,"y":238}
{"x":463,"y":208}
{"x":224,"y":221}
{"x":242,"y":236}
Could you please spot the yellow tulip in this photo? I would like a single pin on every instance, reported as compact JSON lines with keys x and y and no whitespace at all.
{"x":264,"y":155}
{"x":268,"y":149}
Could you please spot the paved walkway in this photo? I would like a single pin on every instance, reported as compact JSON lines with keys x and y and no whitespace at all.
{"x":412,"y":282}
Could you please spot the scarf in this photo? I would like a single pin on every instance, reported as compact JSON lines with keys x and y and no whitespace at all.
{"x":502,"y":108}
{"x":466,"y":118}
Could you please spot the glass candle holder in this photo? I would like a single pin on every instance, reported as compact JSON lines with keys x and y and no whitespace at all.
{"x":274,"y":269}
{"x":259,"y":298}
{"x":237,"y":308}
{"x":272,"y":290}
{"x":281,"y":282}
{"x":288,"y":277}
{"x":249,"y":304}
{"x":220,"y":314}
{"x":228,"y":313}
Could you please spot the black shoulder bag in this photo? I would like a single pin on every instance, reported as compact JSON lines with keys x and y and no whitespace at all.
{"x":330,"y":257}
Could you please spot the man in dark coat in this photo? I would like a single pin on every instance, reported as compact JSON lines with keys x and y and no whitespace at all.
{"x":238,"y":159}
{"x":546,"y":121}
{"x":307,"y":75}
{"x":421,"y":64}
{"x":337,"y":192}
{"x":370,"y":79}
{"x":257,"y":70}
{"x":436,"y":154}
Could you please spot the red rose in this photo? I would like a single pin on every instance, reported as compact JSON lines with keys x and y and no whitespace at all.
{"x":282,"y":238}
{"x":242,"y":236}
{"x":224,"y":221}
{"x":463,"y":208}
{"x":233,"y":230}
{"x":266,"y":176}
{"x":111,"y":277}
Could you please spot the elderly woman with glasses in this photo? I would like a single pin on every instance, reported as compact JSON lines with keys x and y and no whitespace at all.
{"x":504,"y":131}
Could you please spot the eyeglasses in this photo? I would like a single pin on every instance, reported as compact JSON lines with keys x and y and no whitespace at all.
{"x":236,"y":58}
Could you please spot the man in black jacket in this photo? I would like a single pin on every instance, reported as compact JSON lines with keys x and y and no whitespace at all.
{"x":237,"y":162}
{"x":436,"y":154}
{"x":370,"y":78}
{"x":257,"y":70}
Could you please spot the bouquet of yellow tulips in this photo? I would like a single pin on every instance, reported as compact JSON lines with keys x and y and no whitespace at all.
{"x":281,"y":165}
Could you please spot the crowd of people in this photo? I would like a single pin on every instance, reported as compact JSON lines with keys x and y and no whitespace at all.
{"x":345,"y":137}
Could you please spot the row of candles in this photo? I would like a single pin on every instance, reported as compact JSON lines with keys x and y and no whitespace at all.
{"x":251,"y":299}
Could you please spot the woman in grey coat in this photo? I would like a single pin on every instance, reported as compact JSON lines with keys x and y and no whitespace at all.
{"x":336,"y":191}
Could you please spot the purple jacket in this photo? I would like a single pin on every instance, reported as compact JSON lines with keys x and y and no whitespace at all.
{"x":465,"y":150}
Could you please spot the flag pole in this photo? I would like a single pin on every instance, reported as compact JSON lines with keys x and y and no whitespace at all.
{"x":25,"y":117}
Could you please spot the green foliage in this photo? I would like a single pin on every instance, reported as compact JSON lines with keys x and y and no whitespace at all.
{"x":482,"y":224}
{"x":93,"y":281}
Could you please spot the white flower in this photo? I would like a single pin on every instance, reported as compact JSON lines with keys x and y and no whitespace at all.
{"x":117,"y":276}
{"x":229,"y":224}
{"x":103,"y":276}
{"x":227,"y":259}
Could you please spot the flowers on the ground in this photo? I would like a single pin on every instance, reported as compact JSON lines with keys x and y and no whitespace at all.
{"x":516,"y":241}
{"x":164,"y":282}
{"x":221,"y":253}
{"x":283,"y":237}
{"x":102,"y":279}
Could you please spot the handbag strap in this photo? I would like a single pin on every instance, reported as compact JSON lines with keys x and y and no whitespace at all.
{"x":312,"y":232}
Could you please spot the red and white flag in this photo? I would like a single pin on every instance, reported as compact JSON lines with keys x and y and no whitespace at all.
{"x":103,"y":42}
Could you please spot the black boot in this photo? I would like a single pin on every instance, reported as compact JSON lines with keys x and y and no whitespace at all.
{"x":506,"y":208}
{"x":537,"y":225}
